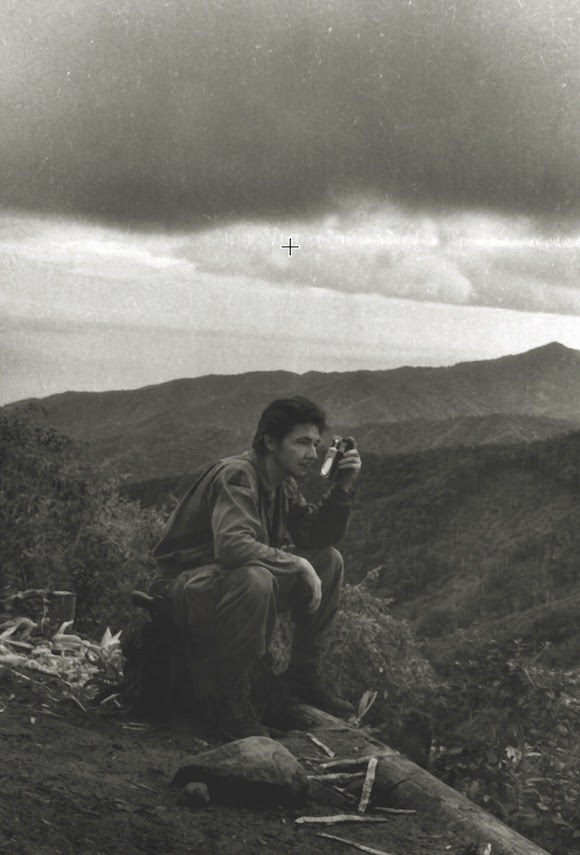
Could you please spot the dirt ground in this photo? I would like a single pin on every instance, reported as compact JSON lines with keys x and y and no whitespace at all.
{"x":93,"y":783}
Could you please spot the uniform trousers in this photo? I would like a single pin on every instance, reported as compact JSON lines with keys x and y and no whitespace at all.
{"x":235,"y":610}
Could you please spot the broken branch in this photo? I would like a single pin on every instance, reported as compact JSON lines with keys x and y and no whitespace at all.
{"x":338,"y":818}
{"x":348,"y":762}
{"x":368,"y":785}
{"x":338,"y":777}
{"x":364,"y":706}
{"x":320,"y":745}
{"x":352,"y":843}
{"x":344,"y":793}
{"x":394,"y":810}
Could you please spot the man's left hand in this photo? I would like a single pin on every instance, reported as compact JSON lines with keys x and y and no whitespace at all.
{"x":348,"y":469}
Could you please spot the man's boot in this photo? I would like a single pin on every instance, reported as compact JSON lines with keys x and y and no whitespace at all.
{"x":236,"y":718}
{"x":305,"y":684}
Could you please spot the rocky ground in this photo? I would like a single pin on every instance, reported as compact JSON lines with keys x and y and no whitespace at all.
{"x":95,"y":782}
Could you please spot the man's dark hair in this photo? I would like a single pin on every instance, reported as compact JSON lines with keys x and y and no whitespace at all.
{"x":282,"y":415}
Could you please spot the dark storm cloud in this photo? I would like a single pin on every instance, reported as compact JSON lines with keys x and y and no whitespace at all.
{"x":179,"y":112}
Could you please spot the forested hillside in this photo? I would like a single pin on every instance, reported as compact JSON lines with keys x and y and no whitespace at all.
{"x":172,"y":429}
{"x":472,"y":535}
{"x":464,"y":536}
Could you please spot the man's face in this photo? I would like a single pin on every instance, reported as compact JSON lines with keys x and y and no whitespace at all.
{"x":297,"y":452}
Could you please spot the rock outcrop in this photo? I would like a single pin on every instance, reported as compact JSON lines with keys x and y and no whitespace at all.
{"x":251,"y":772}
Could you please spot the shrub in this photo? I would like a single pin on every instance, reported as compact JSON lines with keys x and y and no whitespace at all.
{"x":373,"y":650}
{"x":510,"y":739}
{"x":63,"y":525}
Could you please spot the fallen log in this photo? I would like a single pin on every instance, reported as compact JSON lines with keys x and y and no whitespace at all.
{"x":399,"y":782}
{"x":306,"y":718}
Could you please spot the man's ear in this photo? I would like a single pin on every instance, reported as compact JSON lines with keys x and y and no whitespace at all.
{"x":270,"y":443}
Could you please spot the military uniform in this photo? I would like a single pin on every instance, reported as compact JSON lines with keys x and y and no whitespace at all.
{"x":228,"y":558}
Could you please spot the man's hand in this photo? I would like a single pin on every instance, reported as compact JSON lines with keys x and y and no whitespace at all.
{"x":313,"y":583}
{"x":348,"y":469}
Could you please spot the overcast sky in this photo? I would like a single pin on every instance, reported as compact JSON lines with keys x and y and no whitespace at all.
{"x":423,"y":154}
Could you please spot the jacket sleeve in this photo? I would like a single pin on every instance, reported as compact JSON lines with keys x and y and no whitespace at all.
{"x":318,"y":526}
{"x":237,"y":528}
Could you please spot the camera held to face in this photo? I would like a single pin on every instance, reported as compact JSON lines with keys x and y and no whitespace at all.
{"x":337,"y":448}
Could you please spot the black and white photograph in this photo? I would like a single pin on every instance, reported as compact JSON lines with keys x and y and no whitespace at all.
{"x":290,"y":427}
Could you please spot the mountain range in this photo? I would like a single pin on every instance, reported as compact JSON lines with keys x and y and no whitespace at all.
{"x":172,"y":429}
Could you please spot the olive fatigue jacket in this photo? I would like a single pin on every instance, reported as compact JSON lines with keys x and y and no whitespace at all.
{"x":231,"y":516}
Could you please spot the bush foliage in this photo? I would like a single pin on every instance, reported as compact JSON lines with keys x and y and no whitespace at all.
{"x":63,"y":525}
{"x":509,"y":738}
{"x":373,"y":650}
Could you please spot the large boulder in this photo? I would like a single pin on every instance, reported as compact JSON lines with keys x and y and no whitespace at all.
{"x":251,"y":772}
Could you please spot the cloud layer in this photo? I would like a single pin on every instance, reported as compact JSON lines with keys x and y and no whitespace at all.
{"x":188,"y":114}
{"x":100,"y":307}
{"x":454,"y":258}
{"x":100,"y":273}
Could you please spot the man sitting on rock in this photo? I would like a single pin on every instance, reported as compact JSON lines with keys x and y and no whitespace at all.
{"x":236,"y":531}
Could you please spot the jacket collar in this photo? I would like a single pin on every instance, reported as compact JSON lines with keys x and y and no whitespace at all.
{"x":260,"y":466}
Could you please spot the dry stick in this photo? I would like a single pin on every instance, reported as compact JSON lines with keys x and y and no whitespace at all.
{"x":368,"y":785}
{"x":359,"y":846}
{"x":112,"y":697}
{"x":337,"y":818}
{"x":395,"y":810}
{"x":338,"y":777}
{"x":344,"y":793}
{"x":13,"y":642}
{"x":77,"y":702}
{"x":364,"y":706}
{"x":24,"y":676}
{"x":320,"y":745}
{"x":30,"y":680}
{"x":38,"y":683}
{"x":345,"y":729}
{"x":347,"y":762}
{"x":144,"y":787}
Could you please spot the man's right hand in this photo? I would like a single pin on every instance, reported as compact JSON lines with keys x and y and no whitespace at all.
{"x":313,"y":583}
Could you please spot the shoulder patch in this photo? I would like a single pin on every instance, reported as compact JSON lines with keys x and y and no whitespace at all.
{"x":239,"y":478}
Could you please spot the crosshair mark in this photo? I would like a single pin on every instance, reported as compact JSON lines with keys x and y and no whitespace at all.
{"x":290,"y":246}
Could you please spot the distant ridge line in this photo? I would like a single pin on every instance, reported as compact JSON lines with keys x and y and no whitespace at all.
{"x":552,"y":349}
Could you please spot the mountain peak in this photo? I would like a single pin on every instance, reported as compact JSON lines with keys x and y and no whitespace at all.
{"x":553,"y":352}
{"x":554,"y":347}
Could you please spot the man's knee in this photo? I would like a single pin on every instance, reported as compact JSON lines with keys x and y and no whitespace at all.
{"x":328,"y":562}
{"x":252,"y":583}
{"x":259,"y":580}
{"x":334,"y":557}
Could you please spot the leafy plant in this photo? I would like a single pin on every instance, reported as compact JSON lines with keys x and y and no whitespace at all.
{"x":63,"y":524}
{"x":510,"y":739}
